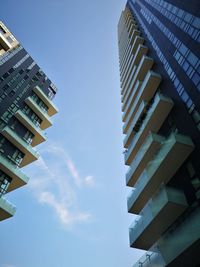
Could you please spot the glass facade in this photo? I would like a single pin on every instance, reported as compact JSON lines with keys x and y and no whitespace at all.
{"x":161,"y":116}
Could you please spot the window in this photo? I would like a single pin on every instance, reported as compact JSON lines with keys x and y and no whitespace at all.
{"x":4,"y":183}
{"x":17,"y":157}
{"x":28,"y":137}
{"x":2,"y":31}
{"x":192,"y":59}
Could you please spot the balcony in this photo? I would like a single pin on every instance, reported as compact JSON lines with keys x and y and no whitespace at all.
{"x":133,"y":120}
{"x":174,"y":151}
{"x":52,"y":109}
{"x":130,"y":81}
{"x":140,"y":52}
{"x":46,"y":121}
{"x":4,"y":43}
{"x":131,"y":100}
{"x":151,"y":145}
{"x":180,"y":245}
{"x":127,"y":57}
{"x":39,"y":136}
{"x":7,"y":210}
{"x":145,"y":65}
{"x":147,"y":91}
{"x":151,"y":258}
{"x":155,"y":116}
{"x":30,"y":154}
{"x":18,"y":178}
{"x":159,"y":213}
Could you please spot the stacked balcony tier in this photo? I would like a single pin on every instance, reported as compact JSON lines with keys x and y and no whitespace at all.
{"x":174,"y":151}
{"x":152,"y":121}
{"x":39,"y":136}
{"x":7,"y":209}
{"x":30,"y":154}
{"x":18,"y":177}
{"x":159,"y":213}
{"x":178,"y":246}
{"x":46,"y":120}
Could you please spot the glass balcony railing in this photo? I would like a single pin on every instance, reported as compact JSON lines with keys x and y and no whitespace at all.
{"x":130,"y":81}
{"x":126,"y":60}
{"x":171,"y":249}
{"x":133,"y":120}
{"x":52,"y":109}
{"x":4,"y":42}
{"x":131,"y":100}
{"x":155,"y":117}
{"x":140,"y":52}
{"x":12,"y":170}
{"x":145,"y":65}
{"x":157,"y":215}
{"x":7,"y":209}
{"x":151,"y":258}
{"x":144,"y":155}
{"x":30,"y":154}
{"x":46,"y":121}
{"x":146,"y":92}
{"x":39,"y":135}
{"x":161,"y":169}
{"x":181,"y":240}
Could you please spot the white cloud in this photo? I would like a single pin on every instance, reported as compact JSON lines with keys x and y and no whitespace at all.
{"x":51,"y":183}
{"x":89,"y":181}
{"x":7,"y":265}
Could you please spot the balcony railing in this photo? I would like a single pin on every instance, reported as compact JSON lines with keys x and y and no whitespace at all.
{"x":30,"y":154}
{"x":182,"y":239}
{"x":12,"y":170}
{"x":39,"y":136}
{"x":140,"y":52}
{"x":133,"y":120}
{"x":7,"y":209}
{"x":174,"y":151}
{"x":4,"y":43}
{"x":157,"y":113}
{"x":132,"y":51}
{"x":46,"y":121}
{"x":151,"y":145}
{"x":127,"y":57}
{"x":52,"y":109}
{"x":158,"y":214}
{"x":151,"y":258}
{"x":145,"y":65}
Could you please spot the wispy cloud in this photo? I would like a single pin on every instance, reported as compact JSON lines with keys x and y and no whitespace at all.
{"x":56,"y":182}
{"x":7,"y":265}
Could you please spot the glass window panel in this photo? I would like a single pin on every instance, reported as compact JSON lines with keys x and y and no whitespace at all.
{"x":192,"y":59}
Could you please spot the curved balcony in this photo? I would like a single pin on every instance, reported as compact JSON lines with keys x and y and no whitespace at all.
{"x":174,"y":151}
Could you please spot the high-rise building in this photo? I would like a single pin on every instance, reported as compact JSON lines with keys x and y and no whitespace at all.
{"x":160,"y":86}
{"x":26,"y":108}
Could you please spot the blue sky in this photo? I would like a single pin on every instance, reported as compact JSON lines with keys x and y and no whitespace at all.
{"x":73,"y":211}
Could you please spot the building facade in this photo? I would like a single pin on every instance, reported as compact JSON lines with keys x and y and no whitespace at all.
{"x":26,"y":108}
{"x":159,"y":50}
